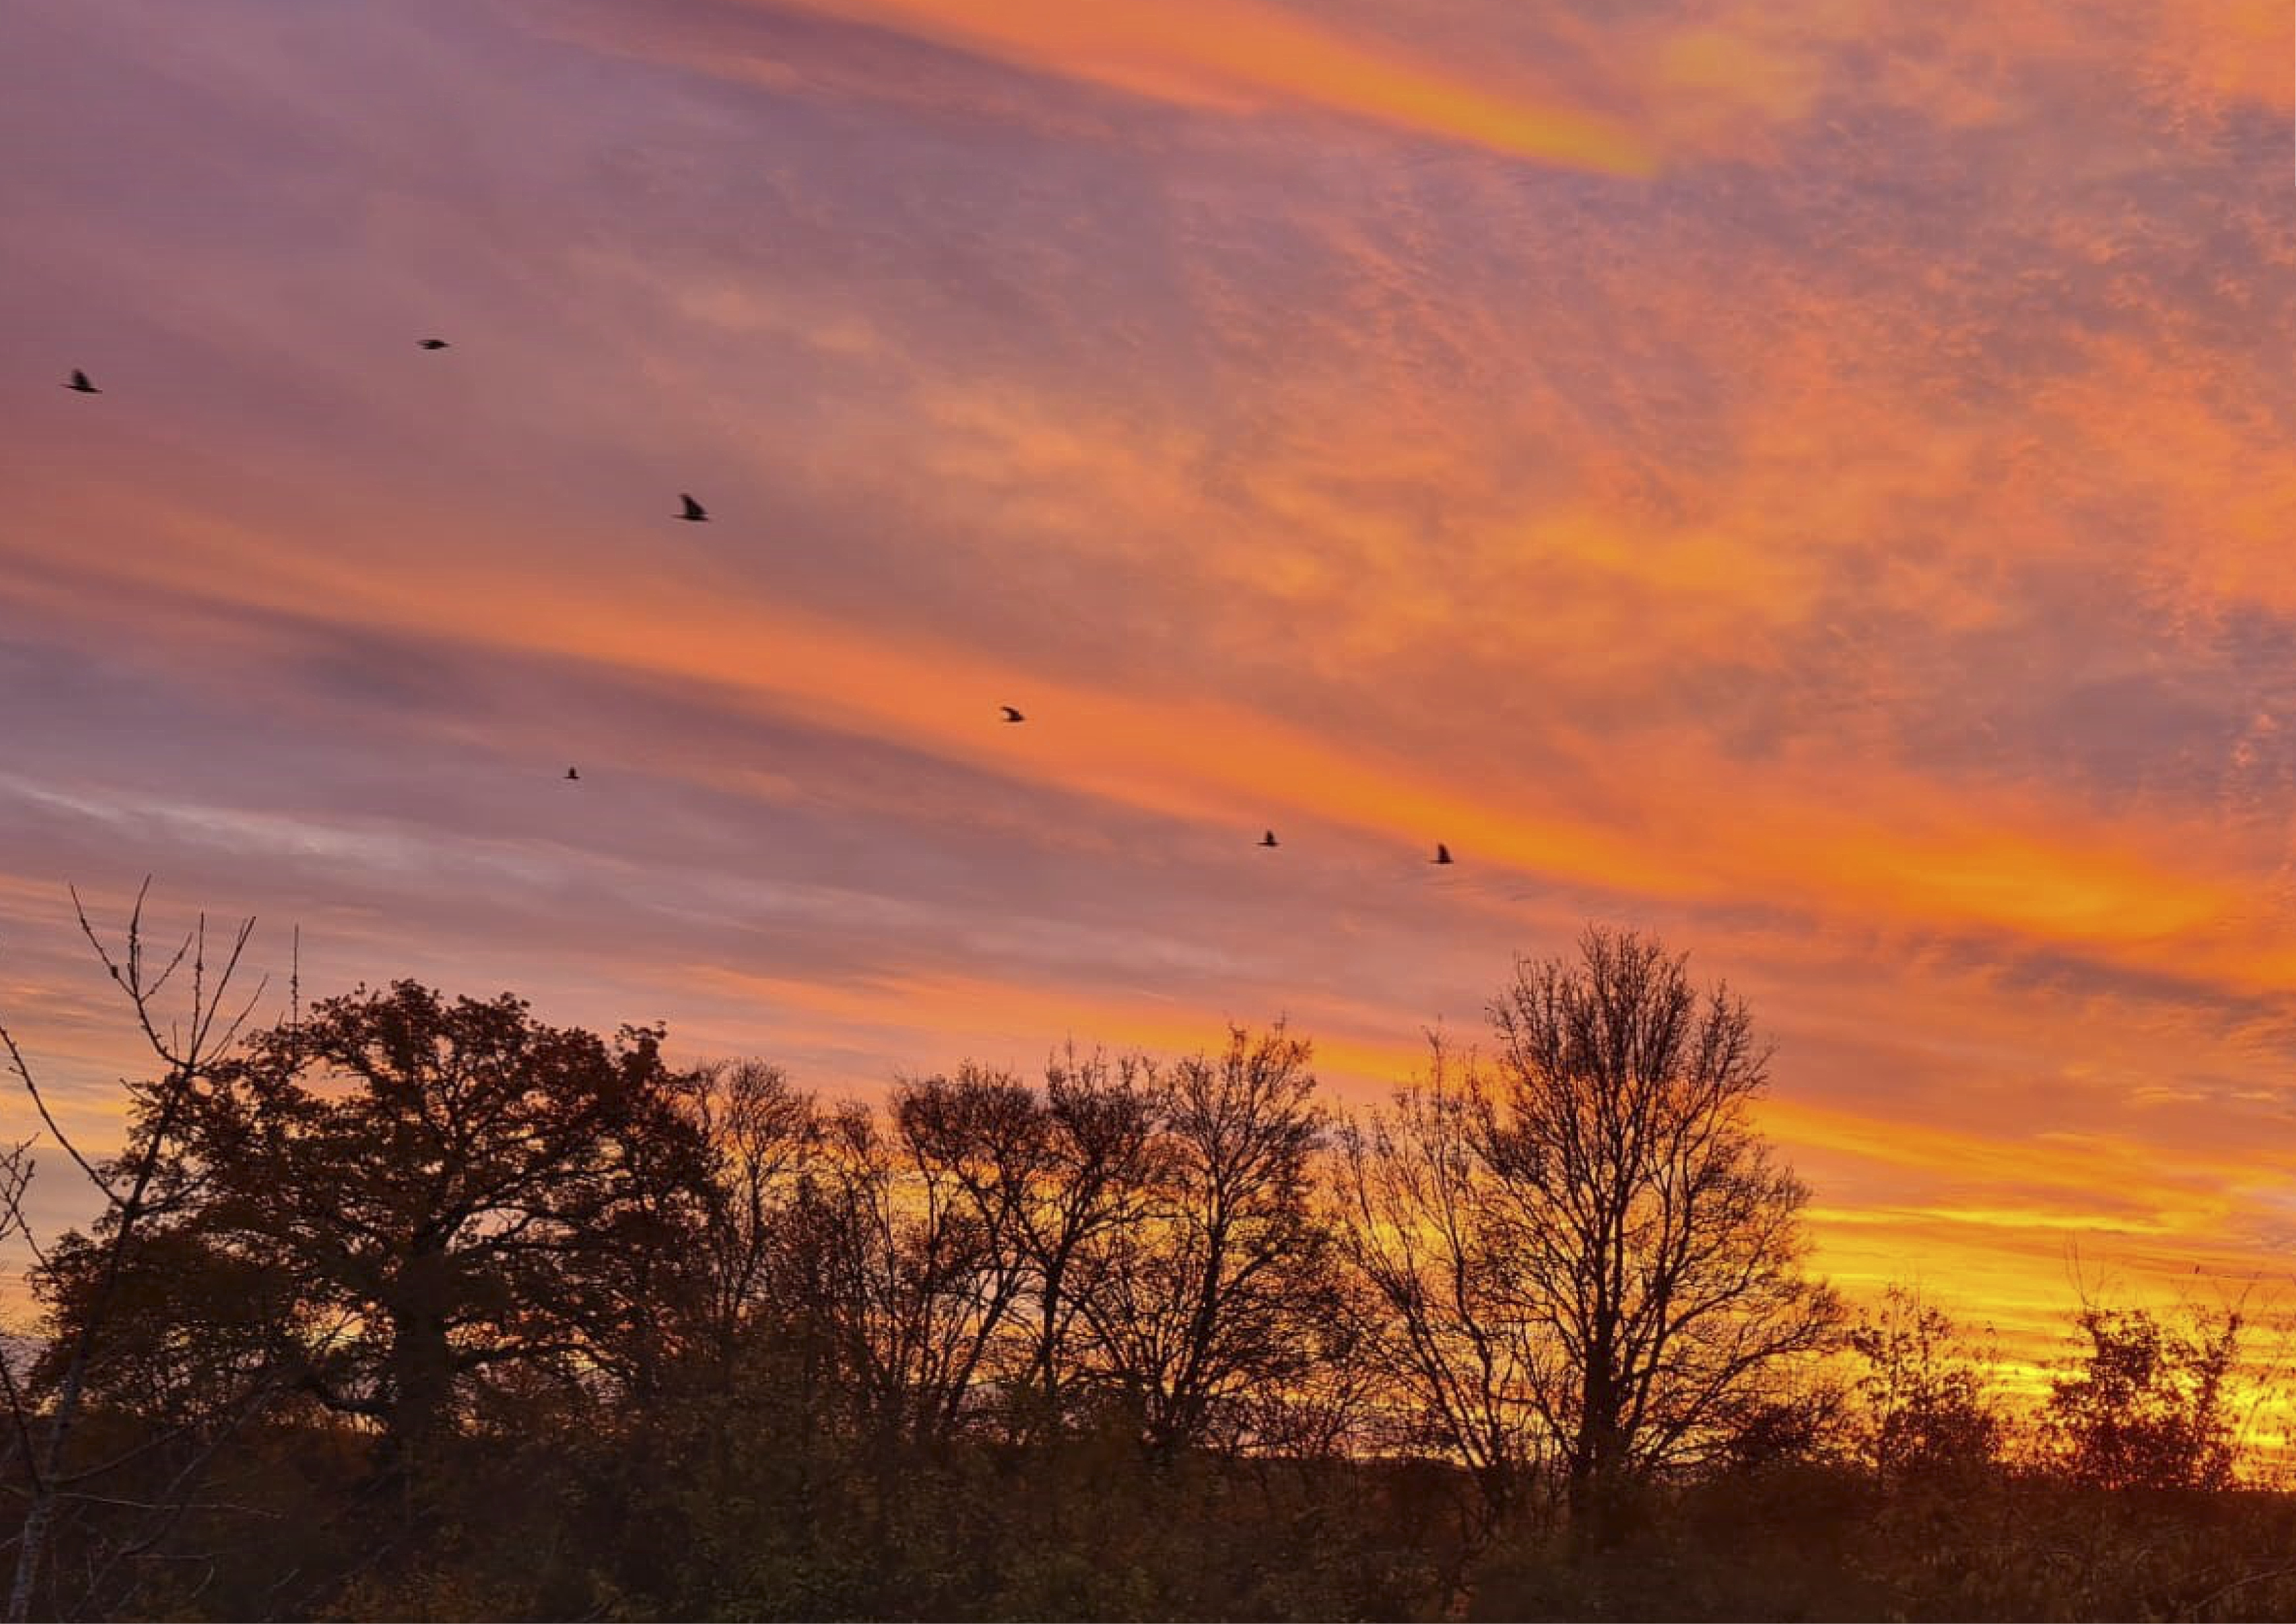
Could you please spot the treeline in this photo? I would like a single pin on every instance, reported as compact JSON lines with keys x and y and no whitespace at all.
{"x":412,"y":1306}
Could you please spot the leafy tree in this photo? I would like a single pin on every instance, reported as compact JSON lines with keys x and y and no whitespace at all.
{"x":189,"y":1330}
{"x":2146,"y":1404}
{"x":476,"y":1195}
{"x":1926,"y":1407}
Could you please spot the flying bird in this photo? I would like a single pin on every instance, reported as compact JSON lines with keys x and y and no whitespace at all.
{"x":80,"y":385}
{"x":572,"y":777}
{"x":429,"y":343}
{"x":1268,"y":839}
{"x":1442,"y":853}
{"x":694,"y":512}
{"x":1012,"y":714}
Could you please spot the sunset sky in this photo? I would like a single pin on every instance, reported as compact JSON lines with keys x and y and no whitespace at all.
{"x":1813,"y":479}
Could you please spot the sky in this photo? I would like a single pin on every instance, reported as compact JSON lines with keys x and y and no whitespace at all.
{"x":1811,"y":478}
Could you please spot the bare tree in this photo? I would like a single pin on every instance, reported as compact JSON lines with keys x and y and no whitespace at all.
{"x":1010,"y":1189}
{"x":1420,"y":1221}
{"x":133,"y":1187}
{"x":1643,"y":1218}
{"x":762,"y":1137}
{"x":1102,"y":1158}
{"x":920,"y":1279}
{"x":985,"y":1134}
{"x":1219,"y":1284}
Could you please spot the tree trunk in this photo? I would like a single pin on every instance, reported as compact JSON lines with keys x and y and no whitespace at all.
{"x":420,"y":1369}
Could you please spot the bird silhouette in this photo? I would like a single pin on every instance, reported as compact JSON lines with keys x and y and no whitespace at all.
{"x":80,"y":385}
{"x":1268,"y":839}
{"x":572,"y":777}
{"x":694,"y":512}
{"x":429,"y":343}
{"x":1012,"y":714}
{"x":1442,"y":853}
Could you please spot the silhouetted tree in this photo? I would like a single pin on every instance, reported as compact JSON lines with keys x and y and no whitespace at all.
{"x":188,"y":1328}
{"x":2147,"y":1406}
{"x":1924,"y":1401}
{"x":761,"y":1140}
{"x":1127,"y":1343}
{"x":475,"y":1191}
{"x":1217,"y":1287}
{"x":988,"y":1133}
{"x":1643,"y":1216}
{"x":1100,"y":1158}
{"x":89,"y":1278}
{"x":1423,"y":1224}
{"x":922,"y":1274}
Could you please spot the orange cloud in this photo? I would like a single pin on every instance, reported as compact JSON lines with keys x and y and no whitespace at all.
{"x":1899,"y":850}
{"x":1243,"y":55}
